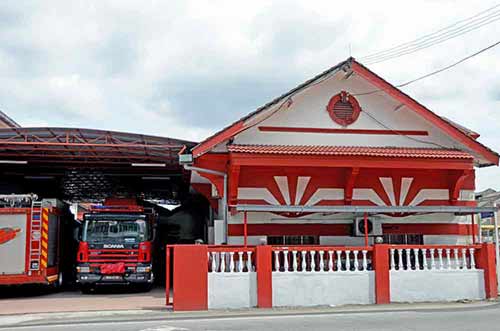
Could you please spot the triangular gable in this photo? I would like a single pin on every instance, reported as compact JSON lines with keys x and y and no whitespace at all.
{"x":263,"y":115}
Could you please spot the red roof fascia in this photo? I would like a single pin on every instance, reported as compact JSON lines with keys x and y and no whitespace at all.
{"x":432,"y":153}
{"x":216,"y":139}
{"x":425,"y":112}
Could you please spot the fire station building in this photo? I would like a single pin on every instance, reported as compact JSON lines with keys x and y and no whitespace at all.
{"x":342,"y":190}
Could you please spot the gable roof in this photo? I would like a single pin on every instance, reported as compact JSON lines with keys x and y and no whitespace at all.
{"x":6,"y":121}
{"x":457,"y":132}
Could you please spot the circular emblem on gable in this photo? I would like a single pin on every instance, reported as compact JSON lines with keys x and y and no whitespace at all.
{"x":343,"y":108}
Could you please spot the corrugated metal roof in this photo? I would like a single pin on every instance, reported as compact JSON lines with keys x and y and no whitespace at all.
{"x":351,"y":151}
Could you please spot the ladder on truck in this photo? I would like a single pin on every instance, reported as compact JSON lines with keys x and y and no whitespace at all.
{"x":35,"y":236}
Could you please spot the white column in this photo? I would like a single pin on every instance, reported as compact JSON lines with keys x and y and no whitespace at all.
{"x":408,"y":259}
{"x":457,"y":261}
{"x":339,"y":261}
{"x":223,"y":262}
{"x":313,"y":261}
{"x":417,"y":262}
{"x":249,"y":261}
{"x":277,"y":261}
{"x":392,"y":266}
{"x":356,"y":263}
{"x":365,"y":262}
{"x":433,"y":262}
{"x":240,"y":261}
{"x":347,"y":260}
{"x":294,"y":262}
{"x":285,"y":260}
{"x":214,"y":265}
{"x":448,"y":260}
{"x":231,"y":261}
{"x":424,"y":259}
{"x":440,"y":257}
{"x":304,"y":263}
{"x":400,"y":260}
{"x":464,"y":259}
{"x":321,"y":262}
{"x":330,"y":260}
{"x":472,"y":260}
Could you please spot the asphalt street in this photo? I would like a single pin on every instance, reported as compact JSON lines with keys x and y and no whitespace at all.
{"x":479,"y":318}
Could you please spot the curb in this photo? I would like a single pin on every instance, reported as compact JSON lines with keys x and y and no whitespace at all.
{"x":97,"y":317}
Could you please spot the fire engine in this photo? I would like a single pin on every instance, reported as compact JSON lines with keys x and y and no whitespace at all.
{"x":33,"y":240}
{"x":116,"y":244}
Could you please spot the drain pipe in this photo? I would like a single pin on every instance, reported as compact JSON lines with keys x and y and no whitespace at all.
{"x":224,"y":195}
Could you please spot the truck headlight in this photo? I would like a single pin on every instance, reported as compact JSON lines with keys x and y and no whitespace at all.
{"x":83,"y":269}
{"x":143,"y":269}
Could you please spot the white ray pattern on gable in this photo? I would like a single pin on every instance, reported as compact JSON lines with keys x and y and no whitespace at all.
{"x":282,"y":182}
{"x":302,"y":183}
{"x":308,"y":110}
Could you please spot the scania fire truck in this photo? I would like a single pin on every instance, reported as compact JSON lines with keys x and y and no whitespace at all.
{"x":116,"y":244}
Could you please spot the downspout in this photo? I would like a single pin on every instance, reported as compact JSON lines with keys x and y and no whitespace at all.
{"x":224,"y":197}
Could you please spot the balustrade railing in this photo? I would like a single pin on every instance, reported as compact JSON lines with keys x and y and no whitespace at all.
{"x":231,"y":259}
{"x":321,"y":259}
{"x":433,"y":257}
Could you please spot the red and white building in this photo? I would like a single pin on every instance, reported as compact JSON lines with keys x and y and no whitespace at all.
{"x":338,"y":161}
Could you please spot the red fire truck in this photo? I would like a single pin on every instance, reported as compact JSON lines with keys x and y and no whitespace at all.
{"x":116,"y":245}
{"x":35,"y":240}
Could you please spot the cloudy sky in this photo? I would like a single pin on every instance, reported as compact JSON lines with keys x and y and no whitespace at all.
{"x":187,"y":68}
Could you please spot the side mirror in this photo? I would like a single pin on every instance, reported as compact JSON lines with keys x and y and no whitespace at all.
{"x":77,"y":232}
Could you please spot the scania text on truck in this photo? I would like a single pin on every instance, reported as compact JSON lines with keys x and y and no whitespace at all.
{"x":116,"y":245}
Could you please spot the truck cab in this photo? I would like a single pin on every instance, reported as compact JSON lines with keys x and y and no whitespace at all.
{"x":116,"y":246}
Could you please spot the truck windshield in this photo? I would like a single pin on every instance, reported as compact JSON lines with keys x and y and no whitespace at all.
{"x":123,"y":231}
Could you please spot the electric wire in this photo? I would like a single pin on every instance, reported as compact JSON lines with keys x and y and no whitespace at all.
{"x":452,"y":31}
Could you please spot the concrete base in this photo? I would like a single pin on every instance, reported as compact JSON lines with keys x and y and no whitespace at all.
{"x":437,"y":285}
{"x":323,"y":288}
{"x":232,"y":290}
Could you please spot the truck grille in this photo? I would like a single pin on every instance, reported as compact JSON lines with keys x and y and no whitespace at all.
{"x":113,"y":255}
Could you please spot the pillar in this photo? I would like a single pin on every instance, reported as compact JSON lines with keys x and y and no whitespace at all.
{"x":485,"y":259}
{"x":264,"y":276}
{"x":382,"y":275}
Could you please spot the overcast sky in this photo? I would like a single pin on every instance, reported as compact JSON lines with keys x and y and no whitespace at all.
{"x":186,"y":69}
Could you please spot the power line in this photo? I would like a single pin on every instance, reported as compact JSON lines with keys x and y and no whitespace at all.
{"x":434,"y":42}
{"x":449,"y":32}
{"x":436,"y":71}
{"x":429,"y":35}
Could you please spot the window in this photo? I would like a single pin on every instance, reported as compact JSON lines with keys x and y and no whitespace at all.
{"x":343,"y":108}
{"x":293,"y":240}
{"x":404,"y":239}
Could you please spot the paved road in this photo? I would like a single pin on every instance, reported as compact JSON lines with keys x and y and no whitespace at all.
{"x":483,"y":318}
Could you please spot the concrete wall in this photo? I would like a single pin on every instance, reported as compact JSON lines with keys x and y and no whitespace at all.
{"x":437,"y":285}
{"x":232,"y":290}
{"x":316,"y":289}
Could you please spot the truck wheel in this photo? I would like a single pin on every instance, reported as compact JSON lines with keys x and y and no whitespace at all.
{"x":57,"y":285}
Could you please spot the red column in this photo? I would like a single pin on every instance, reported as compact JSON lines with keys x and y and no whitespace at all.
{"x":190,"y":277}
{"x":382,"y":276}
{"x":485,"y":259}
{"x":264,"y":277}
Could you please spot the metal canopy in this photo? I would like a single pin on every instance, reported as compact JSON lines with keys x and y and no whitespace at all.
{"x":86,"y":146}
{"x":365,"y":209}
{"x":88,"y":165}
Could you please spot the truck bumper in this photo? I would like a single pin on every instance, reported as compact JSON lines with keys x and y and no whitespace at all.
{"x":131,"y":278}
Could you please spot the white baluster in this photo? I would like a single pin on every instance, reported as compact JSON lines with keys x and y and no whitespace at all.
{"x":392,"y":266}
{"x":231,"y":261}
{"x":330,"y":260}
{"x":294,"y":262}
{"x":433,"y":262}
{"x":365,"y":261}
{"x":303,"y":262}
{"x":464,"y":258}
{"x":240,"y":262}
{"x":440,"y":257}
{"x":448,"y":260}
{"x":425,"y":265}
{"x":408,"y":259}
{"x":457,"y":261}
{"x":313,"y":261}
{"x":285,"y":260}
{"x":249,"y":261}
{"x":214,"y":265}
{"x":356,"y":262}
{"x":400,"y":259}
{"x":339,"y":261}
{"x":417,"y":262}
{"x":321,"y":261}
{"x":472,"y":259}
{"x":223,"y":262}
{"x":347,"y":260}
{"x":276,"y":261}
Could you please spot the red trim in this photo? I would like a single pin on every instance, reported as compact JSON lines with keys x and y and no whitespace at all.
{"x":22,"y":279}
{"x":315,"y":229}
{"x":424,"y":112}
{"x":343,"y":131}
{"x":356,"y":109}
{"x":270,"y":160}
{"x":217,"y":139}
{"x":264,"y":277}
